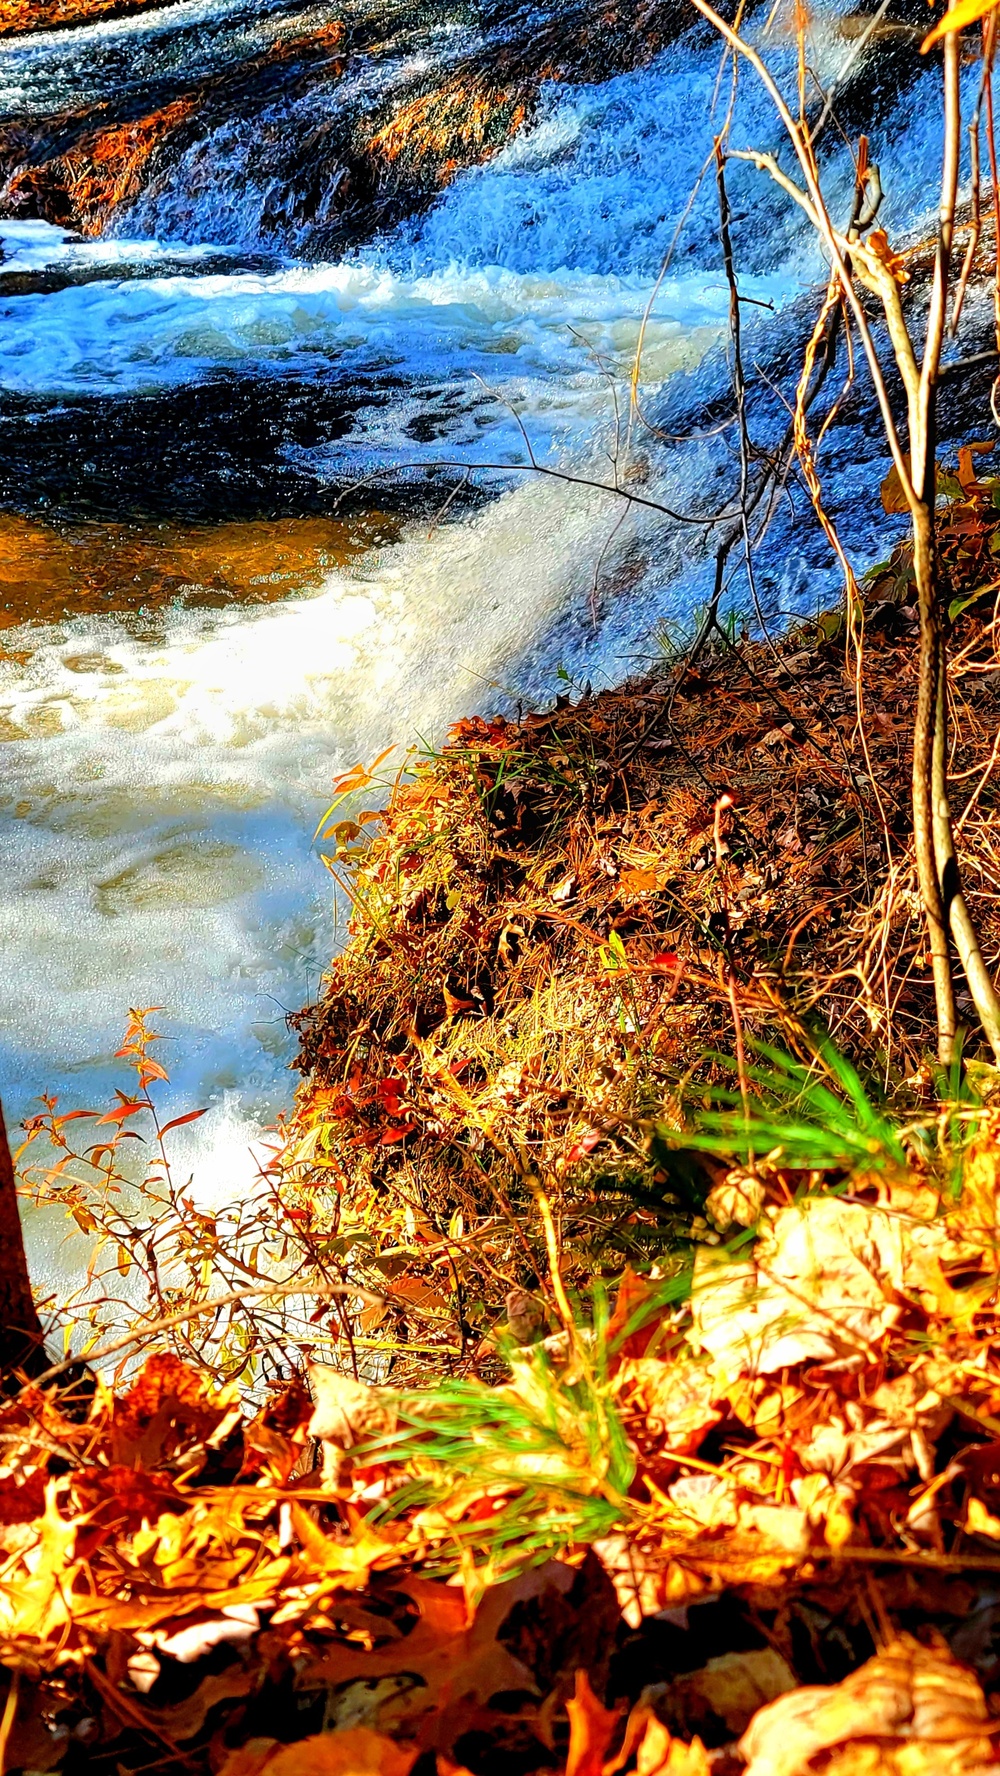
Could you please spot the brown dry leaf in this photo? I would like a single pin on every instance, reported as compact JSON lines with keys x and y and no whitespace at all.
{"x":182,"y":1720}
{"x":823,"y":1286}
{"x":461,"y":1664}
{"x":633,"y":1294}
{"x":645,"y":1580}
{"x":22,"y":1497}
{"x":349,"y":1560}
{"x":171,"y":1409}
{"x":347,"y":1413}
{"x":891,"y":489}
{"x":902,"y":1420}
{"x":978,"y":1207}
{"x":827,"y":1505}
{"x":909,"y":1196}
{"x":273,"y":1441}
{"x":910,"y":1695}
{"x":591,"y":1730}
{"x":738,"y":1200}
{"x":895,"y":263}
{"x":674,"y":1397}
{"x":732,"y":1688}
{"x":358,"y":1751}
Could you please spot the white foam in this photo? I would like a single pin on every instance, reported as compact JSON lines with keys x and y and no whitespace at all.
{"x":114,"y":337}
{"x":33,"y":245}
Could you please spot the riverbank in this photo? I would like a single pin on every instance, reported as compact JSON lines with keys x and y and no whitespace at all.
{"x":561,"y":924}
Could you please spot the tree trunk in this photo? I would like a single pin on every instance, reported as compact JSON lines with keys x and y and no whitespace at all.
{"x":21,"y":1345}
{"x":944,"y":904}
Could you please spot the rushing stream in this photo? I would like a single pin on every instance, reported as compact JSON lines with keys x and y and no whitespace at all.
{"x":201,"y":631}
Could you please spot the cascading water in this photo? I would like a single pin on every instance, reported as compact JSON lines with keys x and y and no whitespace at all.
{"x":165,"y":766}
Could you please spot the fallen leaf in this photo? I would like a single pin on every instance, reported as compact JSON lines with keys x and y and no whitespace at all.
{"x":907,"y":1694}
{"x":676,"y":1398}
{"x":639,"y":881}
{"x":461,"y":1664}
{"x":347,"y":1413}
{"x":895,"y":263}
{"x":980,"y":1521}
{"x":891,"y":489}
{"x":171,"y":1409}
{"x":358,"y":1751}
{"x":660,"y":1754}
{"x":730,"y":1688}
{"x":591,"y":1730}
{"x":737,"y":1201}
{"x":823,"y":1286}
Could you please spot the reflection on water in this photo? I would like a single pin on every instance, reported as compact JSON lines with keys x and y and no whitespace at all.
{"x":51,"y":571}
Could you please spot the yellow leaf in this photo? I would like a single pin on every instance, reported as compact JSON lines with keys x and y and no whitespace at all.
{"x":660,"y":1754}
{"x":965,"y":13}
{"x":893,"y":497}
{"x":981,"y":1522}
{"x":967,"y":477}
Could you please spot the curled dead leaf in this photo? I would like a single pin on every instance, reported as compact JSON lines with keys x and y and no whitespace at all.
{"x":737,"y":1200}
{"x":347,"y":1413}
{"x":729,"y":1689}
{"x":895,"y":263}
{"x":908,"y":1696}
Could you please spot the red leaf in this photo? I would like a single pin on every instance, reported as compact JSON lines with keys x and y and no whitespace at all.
{"x":583,"y":1146}
{"x":179,"y":1121}
{"x":665,"y":959}
{"x":399,"y":1134}
{"x":121,"y":1113}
